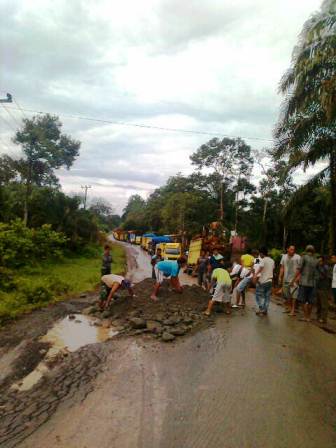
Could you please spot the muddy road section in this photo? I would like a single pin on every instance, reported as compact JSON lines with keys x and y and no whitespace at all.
{"x":234,"y":381}
{"x":245,"y":382}
{"x":54,"y":354}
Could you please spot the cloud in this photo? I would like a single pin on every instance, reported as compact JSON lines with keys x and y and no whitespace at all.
{"x":203,"y":66}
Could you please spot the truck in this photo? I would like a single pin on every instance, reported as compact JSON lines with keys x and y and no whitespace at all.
{"x":171,"y":251}
{"x":211,"y":238}
{"x":146,"y":239}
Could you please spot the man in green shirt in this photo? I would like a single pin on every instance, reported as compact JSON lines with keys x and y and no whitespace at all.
{"x":222,"y":292}
{"x":307,"y":277}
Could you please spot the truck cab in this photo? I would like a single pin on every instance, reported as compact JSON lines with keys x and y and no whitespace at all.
{"x":172,"y":251}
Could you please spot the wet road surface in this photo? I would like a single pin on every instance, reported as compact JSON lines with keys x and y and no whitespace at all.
{"x":139,"y":267}
{"x":248,"y":382}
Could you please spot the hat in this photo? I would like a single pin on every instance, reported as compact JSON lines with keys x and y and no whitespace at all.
{"x":310,"y":248}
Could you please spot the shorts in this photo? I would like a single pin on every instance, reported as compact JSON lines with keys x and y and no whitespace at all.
{"x":104,"y":292}
{"x":159,"y":275}
{"x":222,"y":293}
{"x":307,"y":294}
{"x":290,"y":292}
{"x":243,"y":284}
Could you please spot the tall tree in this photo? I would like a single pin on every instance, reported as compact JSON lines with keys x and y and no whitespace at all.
{"x":45,"y":149}
{"x":134,"y":213}
{"x":306,"y":132}
{"x":230,"y":159}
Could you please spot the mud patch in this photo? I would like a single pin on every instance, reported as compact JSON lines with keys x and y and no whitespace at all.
{"x":67,"y":335}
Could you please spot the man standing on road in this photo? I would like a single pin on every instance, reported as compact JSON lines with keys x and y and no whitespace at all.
{"x":202,"y":267}
{"x":264,"y":282}
{"x":333,"y":285}
{"x":215,"y":259}
{"x":322,"y":290}
{"x":168,"y":269}
{"x":247,"y":262}
{"x":106,"y":261}
{"x":289,"y":265}
{"x":307,"y":277}
{"x":156,"y":259}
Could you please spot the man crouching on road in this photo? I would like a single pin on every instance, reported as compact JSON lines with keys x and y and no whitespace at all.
{"x":111,"y":283}
{"x":168,"y":269}
{"x":222,"y":293}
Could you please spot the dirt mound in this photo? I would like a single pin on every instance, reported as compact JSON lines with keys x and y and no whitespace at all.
{"x":172,"y":316}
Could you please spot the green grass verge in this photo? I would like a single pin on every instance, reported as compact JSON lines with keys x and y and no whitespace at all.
{"x":37,"y":286}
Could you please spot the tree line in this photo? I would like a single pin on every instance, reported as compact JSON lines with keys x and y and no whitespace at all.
{"x":30,"y":190}
{"x":273,"y":211}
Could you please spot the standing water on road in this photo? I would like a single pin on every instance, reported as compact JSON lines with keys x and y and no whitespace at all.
{"x":72,"y":334}
{"x":66,"y":335}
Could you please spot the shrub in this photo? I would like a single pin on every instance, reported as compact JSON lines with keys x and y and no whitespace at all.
{"x":20,"y":245}
{"x":35,"y":293}
{"x":57,"y":286}
{"x":7,"y":282}
{"x":276,"y":254}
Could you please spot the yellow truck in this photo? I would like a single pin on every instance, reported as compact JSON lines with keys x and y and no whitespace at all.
{"x":194,"y":251}
{"x":208,"y":245}
{"x":138,"y":240}
{"x":171,"y":251}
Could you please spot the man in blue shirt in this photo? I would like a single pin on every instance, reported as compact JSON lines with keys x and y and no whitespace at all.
{"x":168,"y":269}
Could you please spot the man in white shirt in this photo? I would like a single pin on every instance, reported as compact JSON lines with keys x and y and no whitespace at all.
{"x":289,"y":265}
{"x":333,"y":284}
{"x":264,"y":282}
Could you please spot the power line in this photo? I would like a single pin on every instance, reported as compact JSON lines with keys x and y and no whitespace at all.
{"x":8,"y":124}
{"x":4,"y":144}
{"x":145,"y":126}
{"x":10,"y":114}
{"x":18,"y":105}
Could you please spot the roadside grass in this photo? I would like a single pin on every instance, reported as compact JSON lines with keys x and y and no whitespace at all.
{"x":50,"y":281}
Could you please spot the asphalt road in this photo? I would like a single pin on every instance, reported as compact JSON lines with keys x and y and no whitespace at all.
{"x":248,"y":382}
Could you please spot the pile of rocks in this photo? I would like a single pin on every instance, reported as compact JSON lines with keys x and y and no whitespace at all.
{"x":165,"y":326}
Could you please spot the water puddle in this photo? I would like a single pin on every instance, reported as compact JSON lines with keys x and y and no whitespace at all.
{"x":67,"y":335}
{"x":72,"y":334}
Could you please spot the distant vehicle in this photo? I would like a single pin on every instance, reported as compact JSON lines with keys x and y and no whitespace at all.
{"x":172,"y":251}
{"x":208,"y":243}
{"x":146,"y":239}
{"x":138,"y":240}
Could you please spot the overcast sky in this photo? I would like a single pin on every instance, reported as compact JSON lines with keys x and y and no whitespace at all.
{"x":201,"y":65}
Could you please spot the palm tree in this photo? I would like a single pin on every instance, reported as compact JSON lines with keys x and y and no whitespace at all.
{"x":306,"y":131}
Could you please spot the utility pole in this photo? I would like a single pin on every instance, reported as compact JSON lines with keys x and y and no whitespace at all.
{"x":85,"y":188}
{"x":7,"y":100}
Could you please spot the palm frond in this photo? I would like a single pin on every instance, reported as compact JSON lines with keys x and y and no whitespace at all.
{"x":301,"y":193}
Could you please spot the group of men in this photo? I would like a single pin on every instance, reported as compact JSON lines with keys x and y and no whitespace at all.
{"x":307,"y":279}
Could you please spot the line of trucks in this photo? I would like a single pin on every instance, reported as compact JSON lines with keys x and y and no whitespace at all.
{"x":174,"y":246}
